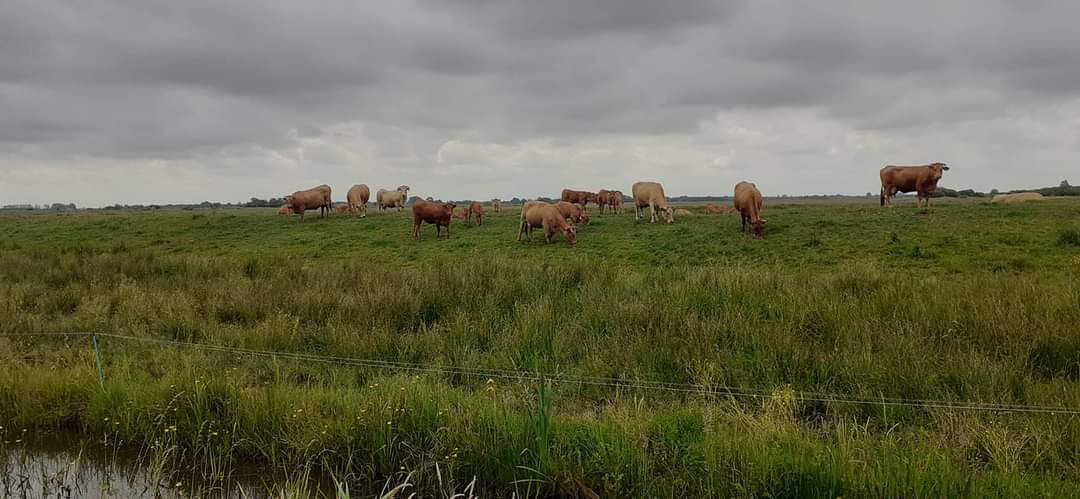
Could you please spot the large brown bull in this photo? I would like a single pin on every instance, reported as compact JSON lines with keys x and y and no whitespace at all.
{"x":920,"y":179}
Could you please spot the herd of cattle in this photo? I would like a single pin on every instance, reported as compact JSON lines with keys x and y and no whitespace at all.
{"x":564,"y":216}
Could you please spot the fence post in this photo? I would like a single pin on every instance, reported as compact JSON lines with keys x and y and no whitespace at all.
{"x":97,"y":358}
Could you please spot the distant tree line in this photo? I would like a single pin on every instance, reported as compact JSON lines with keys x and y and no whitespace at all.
{"x":1063,"y":189}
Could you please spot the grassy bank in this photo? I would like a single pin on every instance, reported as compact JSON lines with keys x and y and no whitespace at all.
{"x":964,"y":302}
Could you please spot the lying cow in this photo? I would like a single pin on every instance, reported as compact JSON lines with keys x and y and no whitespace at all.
{"x":651,"y":195}
{"x":920,"y":179}
{"x":1016,"y":197}
{"x":437,"y":214}
{"x":537,"y":214}
{"x":284,"y":210}
{"x":748,"y":202}
{"x":715,"y":209}
{"x":357,"y":197}
{"x":342,"y":209}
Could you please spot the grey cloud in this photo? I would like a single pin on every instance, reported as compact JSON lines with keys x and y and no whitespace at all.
{"x":195,"y":82}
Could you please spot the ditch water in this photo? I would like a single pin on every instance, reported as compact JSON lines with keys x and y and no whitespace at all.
{"x":60,"y":466}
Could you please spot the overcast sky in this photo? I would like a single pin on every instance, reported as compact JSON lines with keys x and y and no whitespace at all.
{"x":183,"y":101}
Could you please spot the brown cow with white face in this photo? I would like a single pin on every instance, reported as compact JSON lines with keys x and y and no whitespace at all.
{"x":437,"y":214}
{"x":920,"y":179}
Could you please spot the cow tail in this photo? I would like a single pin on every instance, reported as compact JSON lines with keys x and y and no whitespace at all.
{"x":882,"y":196}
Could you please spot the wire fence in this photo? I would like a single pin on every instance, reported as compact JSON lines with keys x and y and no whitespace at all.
{"x":716,"y":390}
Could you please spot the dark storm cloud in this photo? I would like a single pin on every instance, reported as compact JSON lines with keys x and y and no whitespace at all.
{"x":197,"y":81}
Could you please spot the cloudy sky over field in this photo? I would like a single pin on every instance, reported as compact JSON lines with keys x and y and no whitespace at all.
{"x":167,"y":101}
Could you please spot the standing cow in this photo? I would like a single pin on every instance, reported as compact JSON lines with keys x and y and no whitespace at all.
{"x":357,"y":197}
{"x":475,"y":210}
{"x":603,"y":198}
{"x":651,"y":195}
{"x":920,"y":179}
{"x":437,"y":214}
{"x":496,"y":205}
{"x":538,"y":214}
{"x":573,"y":212}
{"x":580,"y":197}
{"x":616,"y":201}
{"x":748,"y":202}
{"x":301,"y":201}
{"x":392,"y":199}
{"x":328,"y":203}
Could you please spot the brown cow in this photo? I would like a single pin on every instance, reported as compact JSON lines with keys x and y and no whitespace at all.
{"x":342,"y":209}
{"x":496,"y":205}
{"x":463,"y":214}
{"x":357,"y":197}
{"x":475,"y":210}
{"x":651,"y":195}
{"x":603,"y":198}
{"x":328,"y":203}
{"x":748,"y":202}
{"x":537,"y":214}
{"x":573,"y":212}
{"x":437,"y":214}
{"x":579,"y":197}
{"x":715,"y":209}
{"x":301,"y":201}
{"x":616,"y":201}
{"x":284,"y":210}
{"x":920,"y":179}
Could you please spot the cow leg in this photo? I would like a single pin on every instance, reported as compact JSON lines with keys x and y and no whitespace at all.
{"x":652,"y":213}
{"x":448,"y":230}
{"x":416,"y":231}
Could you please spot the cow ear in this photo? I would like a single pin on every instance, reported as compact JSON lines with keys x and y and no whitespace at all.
{"x":945,"y":168}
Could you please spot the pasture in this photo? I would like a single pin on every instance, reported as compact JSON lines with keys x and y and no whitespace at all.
{"x":965,"y":301}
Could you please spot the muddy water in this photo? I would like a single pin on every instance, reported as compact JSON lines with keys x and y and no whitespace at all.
{"x":56,"y":466}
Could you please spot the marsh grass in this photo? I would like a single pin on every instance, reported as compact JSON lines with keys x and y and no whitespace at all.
{"x":711,"y":308}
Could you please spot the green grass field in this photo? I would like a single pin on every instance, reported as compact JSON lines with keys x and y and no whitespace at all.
{"x":966,"y":301}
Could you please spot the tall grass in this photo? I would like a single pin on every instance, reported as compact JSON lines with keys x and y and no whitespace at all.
{"x":863,"y":329}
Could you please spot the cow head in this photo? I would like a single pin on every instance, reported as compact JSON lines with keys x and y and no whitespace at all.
{"x":289,"y":201}
{"x":758,"y":226}
{"x":571,"y":234}
{"x":937,"y":169}
{"x":584,"y":218}
{"x":669,"y":213}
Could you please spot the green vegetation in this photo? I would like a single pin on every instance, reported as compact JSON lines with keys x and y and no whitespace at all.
{"x":962,"y":302}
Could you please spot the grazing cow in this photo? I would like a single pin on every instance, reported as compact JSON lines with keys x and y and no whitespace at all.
{"x":357,"y":197}
{"x":437,"y":214}
{"x":616,"y":201}
{"x":342,"y":209}
{"x":603,"y":198}
{"x":284,"y":210}
{"x":748,"y":202}
{"x":392,"y":199}
{"x":579,"y":197}
{"x":301,"y":201}
{"x":1016,"y":197}
{"x":536,"y":214}
{"x":496,"y":205}
{"x":651,"y":195}
{"x":920,"y":179}
{"x":475,"y":210}
{"x":573,"y":212}
{"x":682,"y":212}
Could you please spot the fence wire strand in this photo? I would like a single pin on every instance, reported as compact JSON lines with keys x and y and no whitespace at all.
{"x":605,"y":382}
